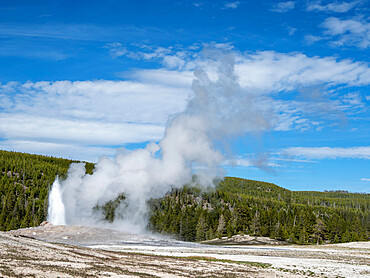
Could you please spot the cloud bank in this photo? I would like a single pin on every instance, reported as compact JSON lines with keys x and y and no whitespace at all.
{"x":97,"y":115}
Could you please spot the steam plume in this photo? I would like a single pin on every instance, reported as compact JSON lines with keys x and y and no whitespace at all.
{"x":56,"y":210}
{"x":219,"y":107}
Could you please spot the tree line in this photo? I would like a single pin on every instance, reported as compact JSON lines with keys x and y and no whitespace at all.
{"x":239,"y":206}
{"x":233,"y":206}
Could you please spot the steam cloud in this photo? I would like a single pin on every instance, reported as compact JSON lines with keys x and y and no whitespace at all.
{"x":219,"y":108}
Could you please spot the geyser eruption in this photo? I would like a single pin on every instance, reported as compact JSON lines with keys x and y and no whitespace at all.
{"x":56,"y":210}
{"x":219,"y":108}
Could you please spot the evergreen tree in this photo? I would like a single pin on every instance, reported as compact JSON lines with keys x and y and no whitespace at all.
{"x":319,"y":231}
{"x":201,"y":228}
{"x":221,"y":226}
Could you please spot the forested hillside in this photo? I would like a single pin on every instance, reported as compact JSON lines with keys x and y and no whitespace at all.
{"x":234,"y":206}
{"x":25,"y":180}
{"x":239,"y":206}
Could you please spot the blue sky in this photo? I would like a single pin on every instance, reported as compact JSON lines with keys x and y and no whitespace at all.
{"x":80,"y":79}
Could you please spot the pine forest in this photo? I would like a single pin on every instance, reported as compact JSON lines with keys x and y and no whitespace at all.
{"x":233,"y":206}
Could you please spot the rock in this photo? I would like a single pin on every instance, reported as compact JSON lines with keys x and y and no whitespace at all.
{"x":46,"y":224}
{"x":244,"y":240}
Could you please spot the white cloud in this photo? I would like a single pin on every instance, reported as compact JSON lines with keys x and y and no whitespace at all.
{"x":105,"y":113}
{"x":268,"y":73}
{"x":116,"y":49}
{"x":231,"y":5}
{"x":328,"y":152}
{"x":291,"y":30}
{"x":294,"y":160}
{"x":65,"y":150}
{"x":310,"y":39}
{"x":353,"y":99}
{"x":283,"y":7}
{"x":245,"y":162}
{"x":88,"y":132}
{"x":87,"y":113}
{"x":265,"y":69}
{"x":338,"y":7}
{"x":173,"y":62}
{"x":165,"y":77}
{"x":300,"y":115}
{"x":169,"y":57}
{"x":239,"y":162}
{"x":347,"y":31}
{"x":271,"y":71}
{"x":126,"y":101}
{"x":365,"y":179}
